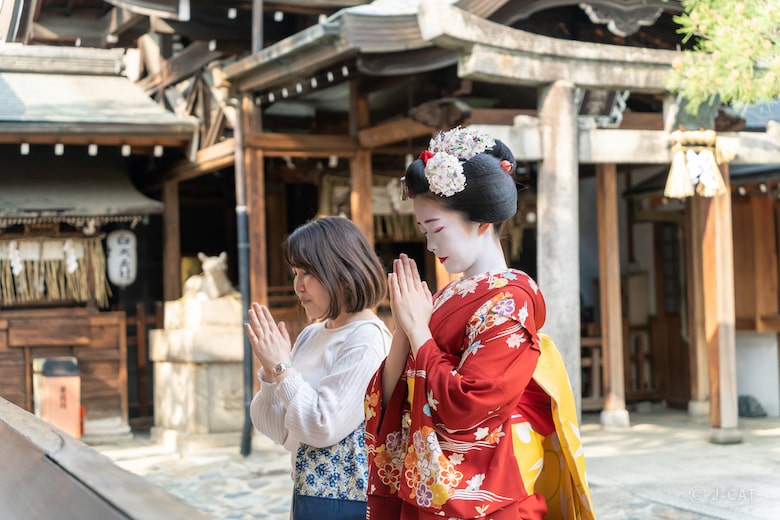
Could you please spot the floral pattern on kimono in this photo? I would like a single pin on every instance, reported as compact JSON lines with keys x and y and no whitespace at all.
{"x":456,"y":402}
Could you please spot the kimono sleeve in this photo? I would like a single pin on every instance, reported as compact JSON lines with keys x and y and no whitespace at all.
{"x":500,"y":357}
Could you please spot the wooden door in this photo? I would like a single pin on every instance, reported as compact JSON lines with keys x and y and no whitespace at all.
{"x":668,"y":328}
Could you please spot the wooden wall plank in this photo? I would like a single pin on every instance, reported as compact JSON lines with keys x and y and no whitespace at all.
{"x":744,"y":263}
{"x":51,"y":332}
{"x":765,"y":260}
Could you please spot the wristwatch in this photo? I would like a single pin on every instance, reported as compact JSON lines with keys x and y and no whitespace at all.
{"x":280,"y":368}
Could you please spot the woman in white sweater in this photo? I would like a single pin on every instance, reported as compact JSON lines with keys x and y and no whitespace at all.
{"x":311,"y":396}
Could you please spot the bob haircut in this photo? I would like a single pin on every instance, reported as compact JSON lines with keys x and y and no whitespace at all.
{"x":490,"y":194}
{"x":336,"y":252}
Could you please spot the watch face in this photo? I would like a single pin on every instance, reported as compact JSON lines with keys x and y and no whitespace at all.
{"x":281,"y":367}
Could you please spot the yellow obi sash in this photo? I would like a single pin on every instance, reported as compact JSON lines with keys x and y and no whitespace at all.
{"x":562,"y":480}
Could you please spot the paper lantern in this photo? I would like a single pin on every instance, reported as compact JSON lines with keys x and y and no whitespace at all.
{"x":122,"y":258}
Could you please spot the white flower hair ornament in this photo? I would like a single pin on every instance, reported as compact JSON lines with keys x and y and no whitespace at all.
{"x":444,"y":156}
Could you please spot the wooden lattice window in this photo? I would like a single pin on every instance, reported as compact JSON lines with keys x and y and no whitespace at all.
{"x":672,"y":268}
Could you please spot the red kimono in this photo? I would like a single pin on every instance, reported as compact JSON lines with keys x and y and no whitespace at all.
{"x":451,"y":443}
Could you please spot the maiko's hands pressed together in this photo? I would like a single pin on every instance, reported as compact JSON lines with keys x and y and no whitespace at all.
{"x":270,"y":341}
{"x":411,"y":301}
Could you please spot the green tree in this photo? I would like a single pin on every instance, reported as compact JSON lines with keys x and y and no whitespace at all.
{"x":736,"y":54}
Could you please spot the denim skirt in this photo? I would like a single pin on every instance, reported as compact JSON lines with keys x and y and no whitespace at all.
{"x":318,"y":508}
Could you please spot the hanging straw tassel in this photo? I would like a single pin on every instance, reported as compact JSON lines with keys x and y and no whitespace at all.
{"x":678,"y":183}
{"x":711,"y":182}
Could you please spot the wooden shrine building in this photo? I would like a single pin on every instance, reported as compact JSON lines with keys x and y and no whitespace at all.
{"x":69,"y":124}
{"x":396,"y":72}
{"x":308,"y":107}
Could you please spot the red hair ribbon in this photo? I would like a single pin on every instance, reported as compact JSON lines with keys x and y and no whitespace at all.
{"x":425,"y":155}
{"x":506,"y":166}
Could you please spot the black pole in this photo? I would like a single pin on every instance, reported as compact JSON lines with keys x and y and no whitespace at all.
{"x":242,"y":237}
{"x":242,"y":224}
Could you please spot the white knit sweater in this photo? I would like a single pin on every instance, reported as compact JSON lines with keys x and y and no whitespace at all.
{"x":322,"y":401}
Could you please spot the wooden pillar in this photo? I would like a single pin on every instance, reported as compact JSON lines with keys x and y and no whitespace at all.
{"x":361,"y":210}
{"x":614,"y":413}
{"x":171,"y":242}
{"x":719,"y":317}
{"x":254,"y":183}
{"x":360,"y":207}
{"x":558,"y":225}
{"x":699,"y":404}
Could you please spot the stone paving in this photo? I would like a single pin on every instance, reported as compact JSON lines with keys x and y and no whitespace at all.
{"x":218,"y":481}
{"x":662,"y":467}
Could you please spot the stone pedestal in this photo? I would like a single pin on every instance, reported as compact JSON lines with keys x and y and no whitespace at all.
{"x":198,"y":373}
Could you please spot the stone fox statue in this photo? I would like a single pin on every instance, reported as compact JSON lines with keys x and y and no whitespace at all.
{"x":213,"y":282}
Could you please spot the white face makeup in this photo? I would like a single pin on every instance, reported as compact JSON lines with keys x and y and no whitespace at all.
{"x":455,"y":241}
{"x":312,"y":294}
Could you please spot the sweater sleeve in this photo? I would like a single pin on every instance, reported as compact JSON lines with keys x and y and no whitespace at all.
{"x":322,"y":417}
{"x":267,"y":412}
{"x":489,"y":378}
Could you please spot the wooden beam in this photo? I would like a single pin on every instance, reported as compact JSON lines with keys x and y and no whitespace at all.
{"x":100,"y":134}
{"x":596,"y":145}
{"x":56,"y":30}
{"x":118,"y":20}
{"x":642,"y":121}
{"x":187,"y":62}
{"x":392,"y":132}
{"x":303,"y":54}
{"x":89,"y":32}
{"x":303,"y":145}
{"x":506,"y":116}
{"x":497,"y":116}
{"x":207,"y":160}
{"x":216,"y":129}
{"x":151,"y":54}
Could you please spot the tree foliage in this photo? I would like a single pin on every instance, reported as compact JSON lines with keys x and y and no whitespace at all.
{"x":736,"y":54}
